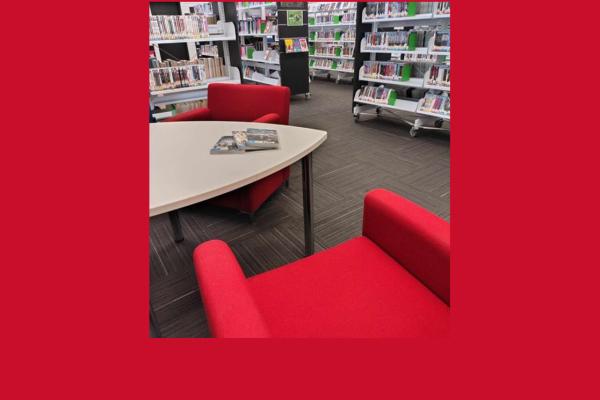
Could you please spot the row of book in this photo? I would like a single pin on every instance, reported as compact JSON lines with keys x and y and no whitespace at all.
{"x":376,"y":94}
{"x":209,"y":50}
{"x":383,"y":70}
{"x":386,"y":10}
{"x":397,"y":40}
{"x":439,"y":75}
{"x":250,"y":52}
{"x":337,"y":50}
{"x":416,"y":58}
{"x":170,"y":27}
{"x":204,"y":8}
{"x":334,"y":19}
{"x":246,"y":4}
{"x":331,"y":6}
{"x":179,"y":74}
{"x":442,"y":8}
{"x":346,"y":35}
{"x":257,"y":25}
{"x":344,"y":65}
{"x":253,"y":74}
{"x":295,"y":45}
{"x":176,"y":77}
{"x":435,"y":103}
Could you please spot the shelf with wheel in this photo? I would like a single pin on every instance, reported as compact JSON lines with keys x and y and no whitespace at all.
{"x":406,"y":50}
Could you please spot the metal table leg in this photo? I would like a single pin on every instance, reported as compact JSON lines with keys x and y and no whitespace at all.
{"x":176,"y":225}
{"x":307,"y":191}
{"x":154,"y":329}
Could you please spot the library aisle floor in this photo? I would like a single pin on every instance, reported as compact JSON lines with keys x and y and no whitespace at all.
{"x":357,"y":157}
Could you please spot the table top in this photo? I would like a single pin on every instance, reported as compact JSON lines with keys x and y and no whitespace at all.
{"x":183,"y":172}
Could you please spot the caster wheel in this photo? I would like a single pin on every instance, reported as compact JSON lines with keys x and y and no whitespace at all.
{"x":378,"y":111}
{"x":356,"y":117}
{"x":438,"y":123}
{"x":307,"y":95}
{"x":413,"y":132}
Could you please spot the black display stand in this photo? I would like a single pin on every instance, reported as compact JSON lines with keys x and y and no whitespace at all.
{"x":294,"y":66}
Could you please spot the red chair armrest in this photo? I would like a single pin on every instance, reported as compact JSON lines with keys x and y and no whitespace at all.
{"x":229,"y":306}
{"x":198,"y":114}
{"x":271,"y":118}
{"x":416,"y":238}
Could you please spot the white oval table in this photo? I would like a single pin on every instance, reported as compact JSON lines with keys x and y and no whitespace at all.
{"x":183,"y":172}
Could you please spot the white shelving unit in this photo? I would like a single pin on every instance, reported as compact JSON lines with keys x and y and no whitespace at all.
{"x":269,"y":67}
{"x":402,"y":105}
{"x":193,"y":93}
{"x":331,"y":26}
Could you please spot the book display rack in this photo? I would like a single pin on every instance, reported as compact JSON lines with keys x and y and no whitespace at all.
{"x":403,"y":62}
{"x":189,"y":49}
{"x":274,"y":44}
{"x":332,"y":39}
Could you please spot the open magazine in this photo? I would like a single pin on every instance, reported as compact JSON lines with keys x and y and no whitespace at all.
{"x":249,"y":140}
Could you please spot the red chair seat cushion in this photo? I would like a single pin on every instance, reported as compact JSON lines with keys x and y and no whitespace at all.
{"x":352,"y":290}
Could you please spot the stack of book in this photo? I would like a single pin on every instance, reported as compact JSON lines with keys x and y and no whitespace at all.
{"x":397,"y":40}
{"x":435,"y":103}
{"x":171,"y":27}
{"x":375,"y":94}
{"x":249,"y":140}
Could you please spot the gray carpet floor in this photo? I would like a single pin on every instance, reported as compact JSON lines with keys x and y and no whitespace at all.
{"x":357,"y":157}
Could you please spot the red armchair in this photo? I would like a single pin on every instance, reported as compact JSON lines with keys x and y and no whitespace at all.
{"x":393,"y":281}
{"x":251,"y":103}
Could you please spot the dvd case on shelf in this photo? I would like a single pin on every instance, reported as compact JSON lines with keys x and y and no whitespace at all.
{"x":442,"y":40}
{"x":439,"y":75}
{"x":397,"y":40}
{"x":376,"y":94}
{"x":383,"y":70}
{"x":386,"y":10}
{"x":435,"y":103}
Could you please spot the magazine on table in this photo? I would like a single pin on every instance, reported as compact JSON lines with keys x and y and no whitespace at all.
{"x":249,"y":140}
{"x":226,"y":145}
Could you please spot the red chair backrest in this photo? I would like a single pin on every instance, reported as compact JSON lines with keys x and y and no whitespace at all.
{"x":235,"y":102}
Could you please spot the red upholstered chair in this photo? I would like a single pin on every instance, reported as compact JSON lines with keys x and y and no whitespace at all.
{"x":251,"y":103}
{"x":393,"y":281}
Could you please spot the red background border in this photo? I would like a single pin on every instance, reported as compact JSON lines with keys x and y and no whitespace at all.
{"x":74,"y":161}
